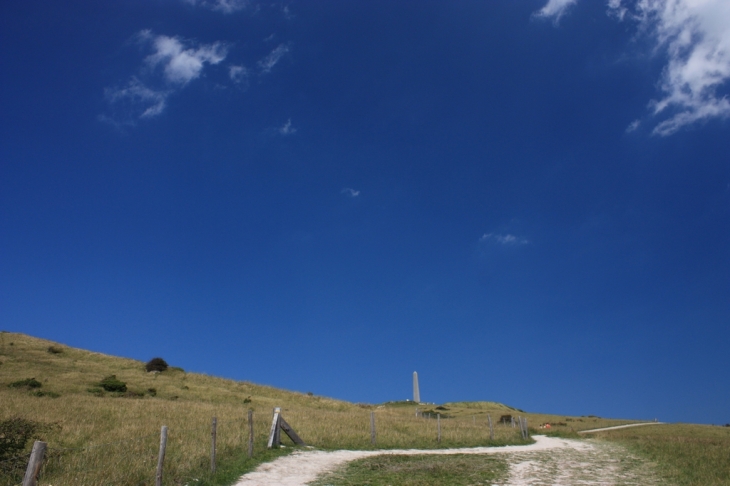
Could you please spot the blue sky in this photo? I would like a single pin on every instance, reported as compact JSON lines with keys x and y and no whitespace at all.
{"x":526,"y":202}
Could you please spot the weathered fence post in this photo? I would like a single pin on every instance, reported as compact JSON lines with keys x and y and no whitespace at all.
{"x":250,"y":433}
{"x":213,"y":428}
{"x":491,"y":428}
{"x":513,"y":422}
{"x":527,"y":431}
{"x":34,"y":463}
{"x":274,"y":433}
{"x":161,"y":455}
{"x":438,"y":426}
{"x":372,"y":428}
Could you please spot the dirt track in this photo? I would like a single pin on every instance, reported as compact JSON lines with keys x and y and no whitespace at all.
{"x":550,"y":461}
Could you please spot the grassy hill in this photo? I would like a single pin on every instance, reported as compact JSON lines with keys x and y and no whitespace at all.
{"x":53,"y":392}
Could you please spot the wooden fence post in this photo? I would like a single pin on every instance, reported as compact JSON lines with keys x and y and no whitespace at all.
{"x":274,"y":440}
{"x":491,"y":428}
{"x":438,"y":426}
{"x":34,"y":463}
{"x":213,"y":428}
{"x":372,"y":428}
{"x":161,"y":455}
{"x":250,"y":433}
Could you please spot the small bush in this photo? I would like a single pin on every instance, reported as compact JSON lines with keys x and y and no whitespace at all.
{"x":152,"y":392}
{"x":28,"y":383}
{"x":247,"y":400}
{"x":111,"y":384}
{"x":14,"y":435}
{"x":55,"y":350}
{"x":156,"y":364}
{"x":48,"y":394}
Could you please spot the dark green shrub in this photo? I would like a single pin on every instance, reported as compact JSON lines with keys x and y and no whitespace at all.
{"x":14,"y":435}
{"x":28,"y":383}
{"x":55,"y":350}
{"x":156,"y":364}
{"x":111,"y":384}
{"x":152,"y":392}
{"x":49,"y":394}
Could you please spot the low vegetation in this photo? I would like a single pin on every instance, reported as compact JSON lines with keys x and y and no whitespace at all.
{"x":101,"y":417}
{"x":686,"y":454}
{"x":156,"y":364}
{"x":454,"y":470}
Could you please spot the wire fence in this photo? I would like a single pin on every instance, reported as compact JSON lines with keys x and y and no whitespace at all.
{"x":191,"y":452}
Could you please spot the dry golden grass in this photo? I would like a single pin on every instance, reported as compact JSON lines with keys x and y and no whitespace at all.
{"x":687,"y":454}
{"x":112,"y":439}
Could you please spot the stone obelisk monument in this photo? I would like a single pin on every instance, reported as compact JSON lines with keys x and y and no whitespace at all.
{"x":416,"y":392}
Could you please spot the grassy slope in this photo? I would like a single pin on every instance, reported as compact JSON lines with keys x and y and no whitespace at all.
{"x":95,"y":439}
{"x":687,"y":454}
{"x":113,"y":439}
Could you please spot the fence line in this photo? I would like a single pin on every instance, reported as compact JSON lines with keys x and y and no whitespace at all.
{"x":135,"y":450}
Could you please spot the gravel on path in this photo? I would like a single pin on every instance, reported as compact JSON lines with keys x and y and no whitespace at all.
{"x":549,"y":461}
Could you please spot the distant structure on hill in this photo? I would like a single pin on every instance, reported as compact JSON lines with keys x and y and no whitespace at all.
{"x":416,"y":391}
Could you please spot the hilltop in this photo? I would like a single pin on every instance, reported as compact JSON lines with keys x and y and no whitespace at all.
{"x":111,"y":434}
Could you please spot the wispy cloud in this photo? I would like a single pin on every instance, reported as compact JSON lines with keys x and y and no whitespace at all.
{"x":633,"y":126}
{"x":223,"y":6}
{"x":136,"y":99}
{"x":267,"y":64}
{"x":555,"y":9}
{"x":172,"y":64}
{"x":239,"y":75}
{"x":180,"y":63}
{"x":287,"y":128}
{"x":350,"y":192}
{"x":507,"y":239}
{"x":695,"y":36}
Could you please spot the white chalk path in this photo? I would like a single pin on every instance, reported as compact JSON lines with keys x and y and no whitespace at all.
{"x":619,"y":427}
{"x":549,"y":461}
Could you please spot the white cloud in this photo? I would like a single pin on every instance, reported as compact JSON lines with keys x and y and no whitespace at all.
{"x":350,"y":192}
{"x":555,"y":9}
{"x":223,"y":6}
{"x":238,"y":74}
{"x":695,"y":35}
{"x":507,"y":239}
{"x":633,"y":126}
{"x":267,"y":64}
{"x":182,"y":64}
{"x":140,"y":100}
{"x":287,"y":128}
